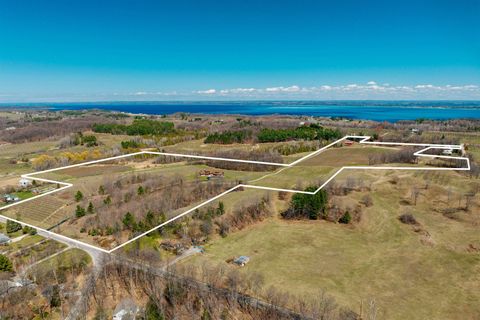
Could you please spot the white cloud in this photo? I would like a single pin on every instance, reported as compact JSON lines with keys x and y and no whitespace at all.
{"x":370,"y":90}
{"x":238,"y":90}
{"x":283,"y":89}
{"x":209,"y":91}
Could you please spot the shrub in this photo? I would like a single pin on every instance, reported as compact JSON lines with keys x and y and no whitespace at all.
{"x":130,"y":144}
{"x":228,"y":137}
{"x":220,"y":209}
{"x":55,"y":300}
{"x":31,"y":231}
{"x":78,"y":196}
{"x":307,"y":205}
{"x":312,"y":132}
{"x":153,"y":312}
{"x":5,"y":264}
{"x":79,"y":212}
{"x":107,"y":200}
{"x":367,"y":200}
{"x":90,"y":208}
{"x":13,"y":226}
{"x":408,"y":218}
{"x":129,"y":221}
{"x":346,"y":218}
{"x":89,"y":141}
{"x":138,"y":127}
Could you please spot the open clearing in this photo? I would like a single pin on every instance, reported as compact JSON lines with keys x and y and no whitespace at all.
{"x":433,"y":275}
{"x":91,"y":182}
{"x":103,"y":226}
{"x":354,"y":263}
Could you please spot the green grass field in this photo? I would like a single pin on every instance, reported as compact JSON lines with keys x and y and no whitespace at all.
{"x":378,"y":258}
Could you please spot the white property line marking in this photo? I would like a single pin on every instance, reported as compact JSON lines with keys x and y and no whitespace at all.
{"x":363,"y":140}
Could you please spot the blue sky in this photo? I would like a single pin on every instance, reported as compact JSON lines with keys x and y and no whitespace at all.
{"x":207,"y":50}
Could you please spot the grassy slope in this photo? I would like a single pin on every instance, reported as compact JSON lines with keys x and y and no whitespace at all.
{"x":379,"y":259}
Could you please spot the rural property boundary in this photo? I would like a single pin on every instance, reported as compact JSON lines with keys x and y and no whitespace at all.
{"x":362,"y":140}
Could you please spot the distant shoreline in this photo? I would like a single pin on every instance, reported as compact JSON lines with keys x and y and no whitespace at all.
{"x":391,"y":111}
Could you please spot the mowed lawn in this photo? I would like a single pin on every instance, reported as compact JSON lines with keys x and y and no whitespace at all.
{"x":346,"y":156}
{"x":378,"y":259}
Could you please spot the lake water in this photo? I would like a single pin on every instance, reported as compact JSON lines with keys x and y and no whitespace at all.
{"x":391,"y":111}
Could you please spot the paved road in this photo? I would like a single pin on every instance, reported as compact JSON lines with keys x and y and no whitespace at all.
{"x":187,"y":253}
{"x":95,"y":254}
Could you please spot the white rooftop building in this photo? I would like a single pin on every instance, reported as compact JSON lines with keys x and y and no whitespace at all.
{"x":24,"y":183}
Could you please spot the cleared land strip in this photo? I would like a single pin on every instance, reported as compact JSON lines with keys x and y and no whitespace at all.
{"x":362,"y":140}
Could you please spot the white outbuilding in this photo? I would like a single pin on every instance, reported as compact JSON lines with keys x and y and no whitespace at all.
{"x":23,"y":183}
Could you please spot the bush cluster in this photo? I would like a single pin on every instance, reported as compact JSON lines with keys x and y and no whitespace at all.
{"x":228,"y":137}
{"x":312,"y":132}
{"x":138,"y":127}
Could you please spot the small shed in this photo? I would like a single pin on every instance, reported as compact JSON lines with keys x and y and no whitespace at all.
{"x":125,"y":310}
{"x":211,"y":174}
{"x":4,"y":240}
{"x":447,"y":152}
{"x":24,"y":183}
{"x":241,"y":261}
{"x":8,"y":198}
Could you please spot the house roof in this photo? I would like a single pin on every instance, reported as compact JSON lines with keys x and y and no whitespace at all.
{"x":242,"y":259}
{"x":126,"y":309}
{"x":4,"y":238}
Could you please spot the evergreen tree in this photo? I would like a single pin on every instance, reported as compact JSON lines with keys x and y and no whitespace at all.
{"x":29,"y":230}
{"x":129,"y":221}
{"x":150,"y":219}
{"x":13,"y":226}
{"x":5,"y":264}
{"x":78,"y":196}
{"x":90,"y":208}
{"x":346,"y":218}
{"x":221,"y":208}
{"x":152,"y":312}
{"x":55,"y":300}
{"x":107,"y":200}
{"x":308,"y":205}
{"x":206,"y":315}
{"x":79,"y":212}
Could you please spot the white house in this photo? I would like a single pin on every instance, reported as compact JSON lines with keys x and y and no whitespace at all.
{"x":241,"y":261}
{"x":4,"y":240}
{"x":125,"y":310}
{"x":23,"y":183}
{"x":447,"y":152}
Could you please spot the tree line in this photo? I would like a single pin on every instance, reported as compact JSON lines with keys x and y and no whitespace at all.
{"x":229,"y":137}
{"x":256,"y":155}
{"x":311,"y":132}
{"x":138,"y":127}
{"x":209,"y":292}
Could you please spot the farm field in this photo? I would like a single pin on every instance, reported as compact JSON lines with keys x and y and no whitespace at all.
{"x":318,"y":168}
{"x":44,"y":212}
{"x":347,"y":156}
{"x":199,"y":147}
{"x":432,"y":273}
{"x":88,"y":179}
